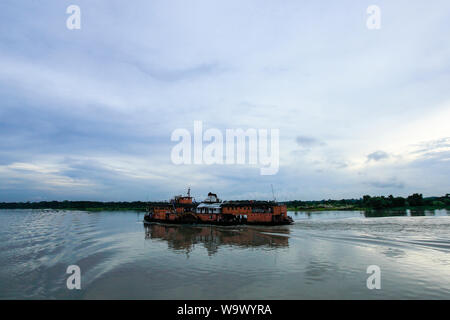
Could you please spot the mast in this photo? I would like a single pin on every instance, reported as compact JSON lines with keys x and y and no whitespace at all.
{"x":273,"y":194}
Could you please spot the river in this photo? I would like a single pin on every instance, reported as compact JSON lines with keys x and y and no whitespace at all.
{"x":323,"y":255}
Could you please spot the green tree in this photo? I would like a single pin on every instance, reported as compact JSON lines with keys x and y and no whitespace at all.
{"x":415,"y":200}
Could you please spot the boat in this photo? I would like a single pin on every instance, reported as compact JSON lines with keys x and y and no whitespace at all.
{"x":183,"y":210}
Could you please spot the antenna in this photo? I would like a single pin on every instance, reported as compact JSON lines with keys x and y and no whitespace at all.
{"x":189,"y":191}
{"x":273,"y":194}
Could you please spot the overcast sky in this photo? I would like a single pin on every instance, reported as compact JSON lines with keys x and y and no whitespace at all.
{"x":88,"y":114}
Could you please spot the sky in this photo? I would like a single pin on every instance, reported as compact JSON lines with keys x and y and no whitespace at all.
{"x":87,"y":114}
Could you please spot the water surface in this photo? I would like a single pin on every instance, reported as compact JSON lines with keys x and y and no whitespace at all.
{"x":324,"y":255}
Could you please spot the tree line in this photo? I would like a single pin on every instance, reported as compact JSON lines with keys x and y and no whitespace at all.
{"x":377,"y":202}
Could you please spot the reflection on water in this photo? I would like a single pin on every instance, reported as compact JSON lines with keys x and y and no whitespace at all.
{"x":323,"y":255}
{"x":369,"y":214}
{"x":184,"y":238}
{"x":407,"y":213}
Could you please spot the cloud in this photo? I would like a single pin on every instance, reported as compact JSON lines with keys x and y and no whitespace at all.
{"x":339,"y":164}
{"x":377,"y":156}
{"x":434,"y":159}
{"x":432,"y":145}
{"x":206,"y":69}
{"x":308,"y":142}
{"x":390,"y":184}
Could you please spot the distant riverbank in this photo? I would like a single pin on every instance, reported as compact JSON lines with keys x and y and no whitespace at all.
{"x":78,"y":205}
{"x":366,"y":203}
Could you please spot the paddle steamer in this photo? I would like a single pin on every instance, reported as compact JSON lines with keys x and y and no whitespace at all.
{"x":183,"y":210}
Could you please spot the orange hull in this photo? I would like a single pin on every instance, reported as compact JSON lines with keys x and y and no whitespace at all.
{"x":183,"y":210}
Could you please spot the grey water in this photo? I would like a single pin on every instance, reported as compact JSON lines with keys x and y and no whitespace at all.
{"x":323,"y":255}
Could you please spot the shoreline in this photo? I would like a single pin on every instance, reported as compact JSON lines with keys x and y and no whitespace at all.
{"x":291,"y":209}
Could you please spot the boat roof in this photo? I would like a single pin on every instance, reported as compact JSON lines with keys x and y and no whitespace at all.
{"x":216,"y":205}
{"x":248,"y":203}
